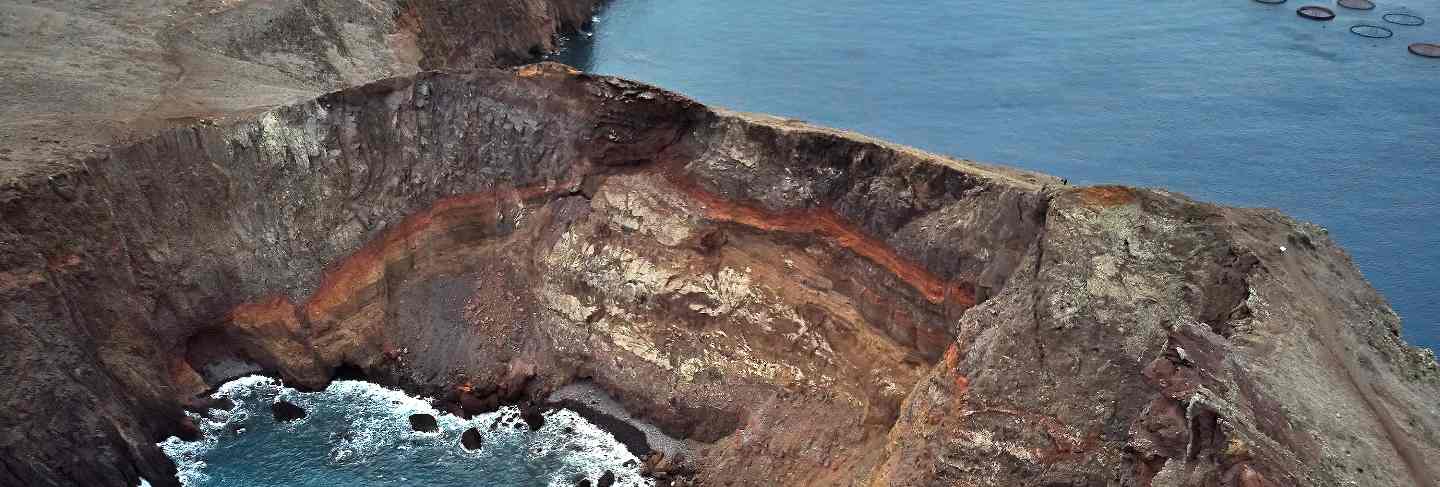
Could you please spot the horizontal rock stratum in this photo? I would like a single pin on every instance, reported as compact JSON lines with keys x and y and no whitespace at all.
{"x":810,"y":307}
{"x":806,"y":306}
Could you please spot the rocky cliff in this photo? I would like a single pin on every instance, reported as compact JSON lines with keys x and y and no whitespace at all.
{"x":804,"y":306}
{"x":80,"y":74}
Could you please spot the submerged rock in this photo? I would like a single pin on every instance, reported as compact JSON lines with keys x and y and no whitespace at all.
{"x":424,"y":423}
{"x":285,"y":411}
{"x":607,"y":479}
{"x":471,"y":439}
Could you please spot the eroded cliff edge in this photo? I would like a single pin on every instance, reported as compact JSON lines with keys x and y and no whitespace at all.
{"x":80,"y":74}
{"x":808,"y":306}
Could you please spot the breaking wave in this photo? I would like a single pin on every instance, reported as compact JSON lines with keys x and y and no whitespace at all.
{"x":358,"y":434}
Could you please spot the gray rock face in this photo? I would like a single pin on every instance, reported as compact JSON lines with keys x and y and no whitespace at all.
{"x":804,"y":306}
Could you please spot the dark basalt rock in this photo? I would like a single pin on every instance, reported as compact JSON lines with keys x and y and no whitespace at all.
{"x":534,"y":416}
{"x":471,"y":439}
{"x":285,"y":411}
{"x":424,"y":423}
{"x":607,"y":479}
{"x":627,"y":434}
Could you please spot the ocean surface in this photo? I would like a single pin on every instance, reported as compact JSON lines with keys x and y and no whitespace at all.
{"x":357,"y":434}
{"x":1231,"y":101}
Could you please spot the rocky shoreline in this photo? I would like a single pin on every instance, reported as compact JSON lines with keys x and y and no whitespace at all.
{"x":797,"y":305}
{"x":668,"y":460}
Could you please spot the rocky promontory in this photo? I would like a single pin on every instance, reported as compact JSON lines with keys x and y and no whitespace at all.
{"x":800,"y":305}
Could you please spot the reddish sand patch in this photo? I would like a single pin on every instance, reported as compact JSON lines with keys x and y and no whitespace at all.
{"x":952,"y":356}
{"x":1107,"y":196}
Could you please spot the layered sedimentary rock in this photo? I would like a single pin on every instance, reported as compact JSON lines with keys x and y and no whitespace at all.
{"x":805,"y":306}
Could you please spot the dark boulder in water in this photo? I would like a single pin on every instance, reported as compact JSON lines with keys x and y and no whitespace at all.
{"x":471,"y":439}
{"x":533,"y":416}
{"x":285,"y":411}
{"x":424,"y":423}
{"x":607,"y":479}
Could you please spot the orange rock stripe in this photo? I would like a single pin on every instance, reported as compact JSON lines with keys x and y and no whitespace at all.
{"x":827,"y":224}
{"x":365,"y":266}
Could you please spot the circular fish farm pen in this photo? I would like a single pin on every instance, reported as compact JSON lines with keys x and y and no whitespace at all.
{"x":1404,"y":19}
{"x":1356,"y":4}
{"x":1372,"y":31}
{"x":1425,"y":49}
{"x":1271,"y":2}
{"x":1315,"y":12}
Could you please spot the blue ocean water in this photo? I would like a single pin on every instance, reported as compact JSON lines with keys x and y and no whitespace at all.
{"x":1231,"y":101}
{"x":357,"y":434}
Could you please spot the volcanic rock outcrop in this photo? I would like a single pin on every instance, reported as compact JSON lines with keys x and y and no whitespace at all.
{"x":805,"y":306}
{"x":424,"y":423}
{"x":79,"y":75}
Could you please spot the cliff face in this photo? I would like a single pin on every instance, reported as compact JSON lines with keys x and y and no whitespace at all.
{"x":808,"y":307}
{"x":79,"y":75}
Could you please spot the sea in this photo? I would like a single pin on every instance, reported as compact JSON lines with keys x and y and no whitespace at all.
{"x":1232,"y":101}
{"x":358,"y":434}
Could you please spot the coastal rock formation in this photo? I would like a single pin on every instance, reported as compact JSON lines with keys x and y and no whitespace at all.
{"x":424,"y":423}
{"x":471,"y":439}
{"x":804,"y":306}
{"x":286,"y":411}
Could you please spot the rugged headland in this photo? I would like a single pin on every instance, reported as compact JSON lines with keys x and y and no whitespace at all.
{"x":803,"y":306}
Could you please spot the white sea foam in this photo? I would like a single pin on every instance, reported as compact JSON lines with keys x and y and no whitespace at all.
{"x":365,"y":428}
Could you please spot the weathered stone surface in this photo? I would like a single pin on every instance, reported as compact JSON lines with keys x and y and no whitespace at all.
{"x":805,"y":306}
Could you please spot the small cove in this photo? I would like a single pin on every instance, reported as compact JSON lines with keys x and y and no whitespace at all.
{"x":358,"y":434}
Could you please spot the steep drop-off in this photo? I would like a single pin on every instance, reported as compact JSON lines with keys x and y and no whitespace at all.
{"x":80,"y":74}
{"x":806,"y":306}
